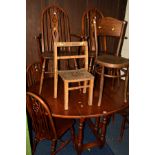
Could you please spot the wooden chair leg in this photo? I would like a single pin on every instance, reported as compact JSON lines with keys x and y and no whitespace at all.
{"x":35,"y":142}
{"x":53,"y":146}
{"x":101,"y":87}
{"x":55,"y":84}
{"x":66,"y":93}
{"x":42,"y":76}
{"x":90,"y":64}
{"x":90,"y":96}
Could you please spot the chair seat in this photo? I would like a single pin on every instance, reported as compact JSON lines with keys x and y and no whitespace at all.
{"x":75,"y":75}
{"x":112,"y":61}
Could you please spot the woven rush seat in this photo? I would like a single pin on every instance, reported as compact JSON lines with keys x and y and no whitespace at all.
{"x":75,"y":75}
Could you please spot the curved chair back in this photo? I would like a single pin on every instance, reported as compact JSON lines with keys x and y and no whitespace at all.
{"x":42,"y":122}
{"x":88,"y":18}
{"x":33,"y":73}
{"x":54,"y":27}
{"x":113,"y":30}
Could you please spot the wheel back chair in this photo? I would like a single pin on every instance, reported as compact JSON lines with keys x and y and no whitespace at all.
{"x":88,"y":33}
{"x":44,"y":125}
{"x":74,"y":75}
{"x":54,"y":27}
{"x":33,"y":74}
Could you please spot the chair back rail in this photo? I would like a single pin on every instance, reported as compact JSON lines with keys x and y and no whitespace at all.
{"x":111,"y":29}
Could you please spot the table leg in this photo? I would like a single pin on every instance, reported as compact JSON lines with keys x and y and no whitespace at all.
{"x":103,"y":129}
{"x":42,"y":76}
{"x":101,"y":87}
{"x":80,"y":136}
{"x":97,"y":124}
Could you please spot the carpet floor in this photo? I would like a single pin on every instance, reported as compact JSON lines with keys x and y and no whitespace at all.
{"x":112,"y":147}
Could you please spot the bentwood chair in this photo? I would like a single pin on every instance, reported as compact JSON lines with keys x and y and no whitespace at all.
{"x":44,"y":125}
{"x":54,"y":27}
{"x":73,"y":76}
{"x":112,"y":61}
{"x":88,"y":18}
{"x":33,"y":74}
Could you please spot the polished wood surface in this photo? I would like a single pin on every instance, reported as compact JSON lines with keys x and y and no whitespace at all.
{"x":112,"y":101}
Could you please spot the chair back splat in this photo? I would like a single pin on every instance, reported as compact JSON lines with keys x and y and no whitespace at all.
{"x":88,"y":18}
{"x":113,"y":30}
{"x":54,"y":27}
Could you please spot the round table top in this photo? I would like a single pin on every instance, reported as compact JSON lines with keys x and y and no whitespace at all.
{"x":112,"y":100}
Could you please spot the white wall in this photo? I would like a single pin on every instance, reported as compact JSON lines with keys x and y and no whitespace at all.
{"x":125,"y":48}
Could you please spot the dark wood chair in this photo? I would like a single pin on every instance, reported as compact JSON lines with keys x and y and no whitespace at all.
{"x":111,"y":63}
{"x":33,"y":74}
{"x":55,"y":26}
{"x":44,"y":125}
{"x":88,"y":18}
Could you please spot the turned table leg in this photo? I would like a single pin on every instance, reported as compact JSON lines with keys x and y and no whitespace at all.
{"x":103,"y":129}
{"x":80,"y":136}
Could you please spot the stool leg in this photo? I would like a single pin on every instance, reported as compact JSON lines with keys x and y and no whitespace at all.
{"x":84,"y":89}
{"x":90,"y":97}
{"x":66,"y":95}
{"x":101,"y":87}
{"x":42,"y":76}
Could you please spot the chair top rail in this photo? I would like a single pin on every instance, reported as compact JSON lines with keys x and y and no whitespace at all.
{"x":69,"y":44}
